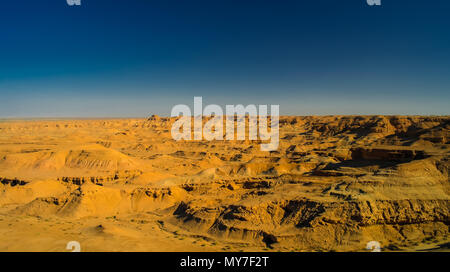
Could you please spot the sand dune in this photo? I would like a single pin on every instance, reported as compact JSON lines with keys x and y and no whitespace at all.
{"x":334,"y":184}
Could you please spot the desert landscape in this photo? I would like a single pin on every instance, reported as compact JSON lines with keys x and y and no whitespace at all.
{"x":334,"y":184}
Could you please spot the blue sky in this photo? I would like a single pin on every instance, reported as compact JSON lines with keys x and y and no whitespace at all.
{"x":127,"y":58}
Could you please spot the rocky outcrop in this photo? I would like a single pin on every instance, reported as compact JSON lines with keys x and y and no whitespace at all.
{"x":360,"y":153}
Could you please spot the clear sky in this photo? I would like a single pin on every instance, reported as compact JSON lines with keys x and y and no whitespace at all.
{"x":127,"y":58}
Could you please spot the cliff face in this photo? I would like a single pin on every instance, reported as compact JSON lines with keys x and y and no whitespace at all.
{"x":335,"y":183}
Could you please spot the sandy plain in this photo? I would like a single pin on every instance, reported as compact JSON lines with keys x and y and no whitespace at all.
{"x":334,"y":184}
